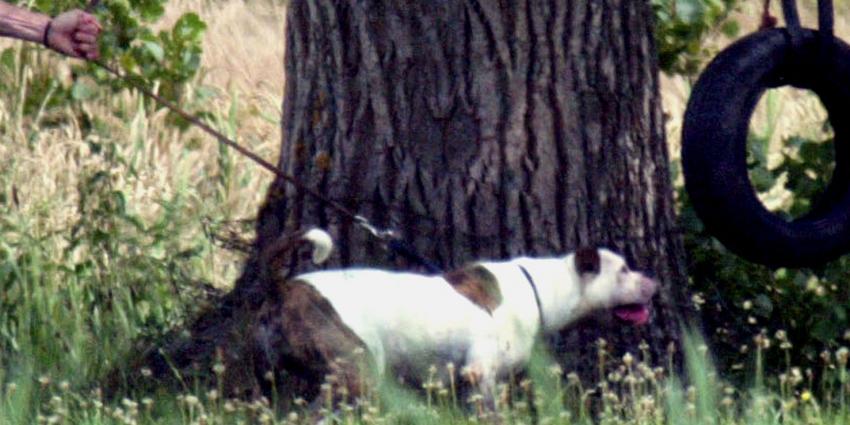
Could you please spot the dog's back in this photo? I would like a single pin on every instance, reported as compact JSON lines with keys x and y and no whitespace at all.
{"x":407,"y":313}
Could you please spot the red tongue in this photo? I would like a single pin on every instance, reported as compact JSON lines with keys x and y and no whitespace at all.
{"x":636,"y":314}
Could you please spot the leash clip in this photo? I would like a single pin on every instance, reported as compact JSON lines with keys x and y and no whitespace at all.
{"x":393,"y":243}
{"x":382,"y":234}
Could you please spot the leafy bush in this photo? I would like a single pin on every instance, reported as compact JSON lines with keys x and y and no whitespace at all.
{"x":115,"y":278}
{"x":166,"y":60}
{"x":681,"y":28}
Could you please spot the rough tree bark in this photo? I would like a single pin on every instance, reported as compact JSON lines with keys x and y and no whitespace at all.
{"x":477,"y":129}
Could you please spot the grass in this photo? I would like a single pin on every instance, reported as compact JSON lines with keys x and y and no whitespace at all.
{"x":632,"y":392}
{"x":107,"y":236}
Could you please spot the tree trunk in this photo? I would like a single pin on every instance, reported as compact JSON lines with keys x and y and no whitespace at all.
{"x":482,"y":129}
{"x":476,"y":129}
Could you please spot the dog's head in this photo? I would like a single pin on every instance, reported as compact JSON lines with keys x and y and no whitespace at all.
{"x":607,"y":283}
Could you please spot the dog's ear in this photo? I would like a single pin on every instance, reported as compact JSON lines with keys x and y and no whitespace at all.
{"x":587,"y":260}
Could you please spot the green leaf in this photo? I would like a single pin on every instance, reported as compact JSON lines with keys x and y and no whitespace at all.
{"x":150,"y":10}
{"x":7,"y":58}
{"x":189,"y":27}
{"x":689,"y":10}
{"x":81,"y":90}
{"x":763,"y":305}
{"x":839,"y":312}
{"x":826,"y":329}
{"x":730,"y":29}
{"x":762,"y":179}
{"x":155,"y":50}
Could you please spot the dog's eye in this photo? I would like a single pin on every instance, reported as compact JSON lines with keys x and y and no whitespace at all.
{"x":624,"y":269}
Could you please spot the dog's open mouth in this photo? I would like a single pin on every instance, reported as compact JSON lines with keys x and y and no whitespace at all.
{"x":633,"y":314}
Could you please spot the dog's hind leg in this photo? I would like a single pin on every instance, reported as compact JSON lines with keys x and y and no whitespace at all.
{"x":301,"y":335}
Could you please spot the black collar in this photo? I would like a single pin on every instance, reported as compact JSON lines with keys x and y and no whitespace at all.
{"x":536,"y":297}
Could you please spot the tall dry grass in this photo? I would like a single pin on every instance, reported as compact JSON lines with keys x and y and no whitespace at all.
{"x":242,"y":63}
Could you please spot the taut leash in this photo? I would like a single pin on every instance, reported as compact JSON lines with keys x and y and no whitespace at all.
{"x":389,"y":238}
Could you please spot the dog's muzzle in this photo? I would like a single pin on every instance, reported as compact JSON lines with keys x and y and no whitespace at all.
{"x":637,"y":314}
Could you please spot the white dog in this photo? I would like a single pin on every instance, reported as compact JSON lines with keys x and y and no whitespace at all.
{"x":483,"y":318}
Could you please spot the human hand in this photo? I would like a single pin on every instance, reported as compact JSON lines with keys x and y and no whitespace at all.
{"x":73,"y":33}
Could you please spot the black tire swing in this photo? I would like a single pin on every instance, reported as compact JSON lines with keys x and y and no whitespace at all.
{"x":714,"y":138}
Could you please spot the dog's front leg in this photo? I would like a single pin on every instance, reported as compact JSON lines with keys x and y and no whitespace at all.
{"x":482,"y":370}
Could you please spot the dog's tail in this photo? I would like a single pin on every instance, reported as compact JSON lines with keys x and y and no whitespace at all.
{"x":322,"y":242}
{"x":276,"y":259}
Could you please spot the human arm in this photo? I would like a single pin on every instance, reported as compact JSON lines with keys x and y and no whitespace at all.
{"x":73,"y":33}
{"x":21,"y":23}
